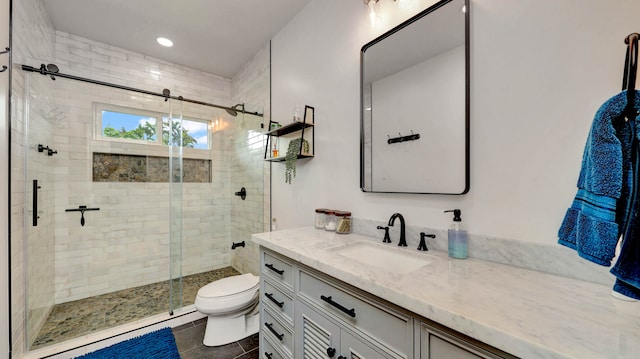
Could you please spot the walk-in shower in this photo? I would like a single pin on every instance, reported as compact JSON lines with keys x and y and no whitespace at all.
{"x":131,"y":199}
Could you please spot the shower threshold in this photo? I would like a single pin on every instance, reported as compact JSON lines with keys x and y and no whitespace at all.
{"x":90,"y":315}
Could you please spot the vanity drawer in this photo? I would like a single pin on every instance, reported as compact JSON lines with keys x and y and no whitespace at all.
{"x":279,"y":302}
{"x":268,"y":351}
{"x":391,"y":329}
{"x":276,"y":332}
{"x":278,"y":269}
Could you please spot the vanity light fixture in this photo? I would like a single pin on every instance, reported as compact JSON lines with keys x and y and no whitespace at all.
{"x":164,"y":42}
{"x":371,"y":18}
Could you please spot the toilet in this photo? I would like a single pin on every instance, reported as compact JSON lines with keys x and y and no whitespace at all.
{"x":231,"y":305}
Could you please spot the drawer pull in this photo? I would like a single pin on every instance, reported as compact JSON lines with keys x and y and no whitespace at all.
{"x":350,"y":312}
{"x":331,"y":352}
{"x":270,"y":327}
{"x":270,"y":296}
{"x":279,"y":271}
{"x":268,"y":355}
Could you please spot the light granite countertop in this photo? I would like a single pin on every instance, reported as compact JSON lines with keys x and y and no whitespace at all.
{"x":526,"y":313}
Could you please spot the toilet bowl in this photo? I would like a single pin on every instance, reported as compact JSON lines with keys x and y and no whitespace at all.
{"x":231,"y":306}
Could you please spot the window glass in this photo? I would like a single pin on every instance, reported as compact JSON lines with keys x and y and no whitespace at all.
{"x":194,"y":133}
{"x":129,"y":126}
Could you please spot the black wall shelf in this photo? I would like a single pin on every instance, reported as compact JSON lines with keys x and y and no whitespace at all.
{"x":281,"y":159}
{"x":307,"y":124}
{"x":290,"y":128}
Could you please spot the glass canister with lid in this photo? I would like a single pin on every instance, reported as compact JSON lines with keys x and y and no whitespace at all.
{"x":343,"y":222}
{"x":321,"y":218}
{"x":330,"y":218}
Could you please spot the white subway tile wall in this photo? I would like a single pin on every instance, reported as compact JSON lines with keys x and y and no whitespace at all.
{"x":252,"y":85}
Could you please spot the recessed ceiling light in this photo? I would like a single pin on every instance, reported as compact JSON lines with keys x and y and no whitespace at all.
{"x":164,"y":41}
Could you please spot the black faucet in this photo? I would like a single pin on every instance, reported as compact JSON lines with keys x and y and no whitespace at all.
{"x":403,"y":239}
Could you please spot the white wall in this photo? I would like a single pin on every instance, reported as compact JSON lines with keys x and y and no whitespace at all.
{"x":539,"y":71}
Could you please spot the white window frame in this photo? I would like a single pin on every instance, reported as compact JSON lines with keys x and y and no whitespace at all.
{"x":159,"y":117}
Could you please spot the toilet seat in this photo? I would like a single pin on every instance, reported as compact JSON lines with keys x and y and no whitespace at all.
{"x":228,"y":295}
{"x":230,"y":286}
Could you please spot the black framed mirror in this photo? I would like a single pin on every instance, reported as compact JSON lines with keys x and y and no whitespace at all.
{"x":414,"y":122}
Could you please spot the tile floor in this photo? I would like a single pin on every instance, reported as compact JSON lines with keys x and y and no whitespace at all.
{"x":74,"y":319}
{"x":189,"y":340}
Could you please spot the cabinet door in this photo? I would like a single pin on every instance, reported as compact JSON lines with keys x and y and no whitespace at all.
{"x":436,"y":344}
{"x":269,"y":351}
{"x":439,"y":348}
{"x":353,"y":347}
{"x":315,"y":336}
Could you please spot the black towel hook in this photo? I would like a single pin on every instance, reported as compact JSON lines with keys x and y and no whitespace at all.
{"x":630,"y":72}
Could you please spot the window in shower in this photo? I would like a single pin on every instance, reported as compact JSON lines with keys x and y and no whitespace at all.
{"x":195,"y":133}
{"x":117,"y":123}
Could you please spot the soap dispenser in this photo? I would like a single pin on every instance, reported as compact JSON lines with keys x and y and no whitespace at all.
{"x":458,"y":240}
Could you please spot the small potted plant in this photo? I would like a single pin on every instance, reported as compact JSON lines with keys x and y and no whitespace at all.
{"x":292,"y":156}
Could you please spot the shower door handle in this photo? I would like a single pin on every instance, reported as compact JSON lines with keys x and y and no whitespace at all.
{"x":35,"y":202}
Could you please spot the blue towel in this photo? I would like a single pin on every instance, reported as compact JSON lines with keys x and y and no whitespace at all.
{"x":600,"y":212}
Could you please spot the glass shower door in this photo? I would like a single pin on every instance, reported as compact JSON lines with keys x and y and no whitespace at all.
{"x":39,"y":117}
{"x":176,"y":175}
{"x":102,"y":248}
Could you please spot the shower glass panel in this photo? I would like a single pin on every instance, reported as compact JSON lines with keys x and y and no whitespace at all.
{"x":173,"y":130}
{"x":40,"y":118}
{"x":102,"y":243}
{"x":134,"y":208}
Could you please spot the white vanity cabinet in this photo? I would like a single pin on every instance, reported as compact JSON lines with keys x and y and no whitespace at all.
{"x":317,"y":336}
{"x":276,"y":306}
{"x":307,"y":314}
{"x":368,"y":327}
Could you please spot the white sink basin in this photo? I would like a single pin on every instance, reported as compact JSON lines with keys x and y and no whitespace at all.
{"x":386,"y":257}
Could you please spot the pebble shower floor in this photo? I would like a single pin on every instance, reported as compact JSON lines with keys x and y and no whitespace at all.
{"x":74,"y":319}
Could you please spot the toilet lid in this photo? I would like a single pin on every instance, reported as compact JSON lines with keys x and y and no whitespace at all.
{"x":229,"y":286}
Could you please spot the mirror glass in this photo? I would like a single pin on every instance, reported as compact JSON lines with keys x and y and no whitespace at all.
{"x":415,"y":104}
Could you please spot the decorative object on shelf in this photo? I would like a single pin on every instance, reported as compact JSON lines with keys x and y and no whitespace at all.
{"x":296,"y":147}
{"x":296,"y":112}
{"x":274,"y":150}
